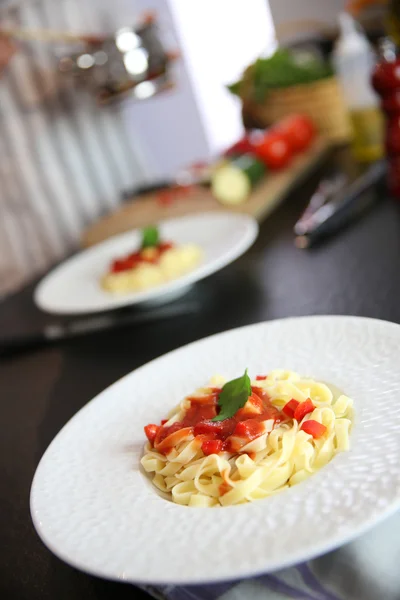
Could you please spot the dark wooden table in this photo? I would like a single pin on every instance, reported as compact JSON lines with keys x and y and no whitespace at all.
{"x":356,"y":273}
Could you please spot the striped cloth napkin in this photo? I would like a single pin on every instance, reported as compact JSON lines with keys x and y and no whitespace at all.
{"x":366,"y":569}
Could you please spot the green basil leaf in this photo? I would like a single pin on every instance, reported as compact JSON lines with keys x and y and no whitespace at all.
{"x":233,"y":396}
{"x":150,"y":237}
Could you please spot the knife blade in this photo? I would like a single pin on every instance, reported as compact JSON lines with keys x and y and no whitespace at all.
{"x":55,"y":332}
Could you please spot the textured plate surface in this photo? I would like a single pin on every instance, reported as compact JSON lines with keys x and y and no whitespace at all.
{"x":95,"y":509}
{"x":74,"y":286}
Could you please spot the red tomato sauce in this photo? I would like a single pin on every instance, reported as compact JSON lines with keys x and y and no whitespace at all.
{"x":234,"y":433}
{"x":140,"y":257}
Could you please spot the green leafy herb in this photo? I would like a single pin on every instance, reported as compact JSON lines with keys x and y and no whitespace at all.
{"x":233,"y":396}
{"x":283,"y":69}
{"x":150,"y":237}
{"x":235,"y":88}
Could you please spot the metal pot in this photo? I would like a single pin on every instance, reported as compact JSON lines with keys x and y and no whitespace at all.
{"x":132,"y":62}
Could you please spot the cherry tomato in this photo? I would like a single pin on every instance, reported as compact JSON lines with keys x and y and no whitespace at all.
{"x":393,"y":136}
{"x":242,"y":146}
{"x":386,"y":76}
{"x":273,"y":149}
{"x":299,"y":132}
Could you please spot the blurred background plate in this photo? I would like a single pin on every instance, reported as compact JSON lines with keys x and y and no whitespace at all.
{"x":74,"y":286}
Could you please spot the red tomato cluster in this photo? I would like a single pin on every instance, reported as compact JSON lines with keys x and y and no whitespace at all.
{"x":277,"y":146}
{"x":230,"y":434}
{"x":298,"y":410}
{"x":136,"y":258}
{"x":216,"y":436}
{"x":167,"y":196}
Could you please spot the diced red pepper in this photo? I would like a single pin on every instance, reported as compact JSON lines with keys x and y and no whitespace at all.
{"x":151,"y":432}
{"x":303,"y":409}
{"x":259,"y":391}
{"x":164,"y":432}
{"x":208,"y":427}
{"x":205,"y":437}
{"x":133,"y":260}
{"x":261,"y":377}
{"x":212,"y":447}
{"x":224,"y":488}
{"x":313,"y":428}
{"x":124,"y":264}
{"x":118,"y":266}
{"x":249,"y":429}
{"x":184,"y":190}
{"x":241,"y":429}
{"x":255,"y":400}
{"x":164,"y":246}
{"x":290,"y":407}
{"x":164,"y":421}
{"x":165,"y":197}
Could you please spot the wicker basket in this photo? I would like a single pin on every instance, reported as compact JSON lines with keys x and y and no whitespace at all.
{"x":321,"y":100}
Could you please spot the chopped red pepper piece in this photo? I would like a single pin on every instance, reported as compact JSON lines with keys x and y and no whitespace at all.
{"x":118,"y":266}
{"x":206,"y":427}
{"x":165,"y":197}
{"x":164,"y":421}
{"x":184,"y":190}
{"x":249,"y":429}
{"x":212,"y":447}
{"x":164,"y":246}
{"x":261,"y":377}
{"x":256,"y":401}
{"x":151,"y":432}
{"x":313,"y":428}
{"x":132,"y":260}
{"x":241,"y":429}
{"x":303,"y":409}
{"x":290,"y":407}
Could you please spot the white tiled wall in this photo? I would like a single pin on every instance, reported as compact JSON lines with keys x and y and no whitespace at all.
{"x":64,"y":161}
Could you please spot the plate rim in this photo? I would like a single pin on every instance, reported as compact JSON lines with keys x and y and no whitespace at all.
{"x":157,"y":292}
{"x":336,"y":540}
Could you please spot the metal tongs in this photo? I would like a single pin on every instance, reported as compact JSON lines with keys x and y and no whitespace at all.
{"x":336,"y":202}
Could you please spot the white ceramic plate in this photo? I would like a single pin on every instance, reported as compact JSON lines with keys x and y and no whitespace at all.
{"x":93,"y":507}
{"x":74,"y":287}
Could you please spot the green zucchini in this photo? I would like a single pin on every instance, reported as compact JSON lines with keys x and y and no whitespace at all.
{"x":233,"y":181}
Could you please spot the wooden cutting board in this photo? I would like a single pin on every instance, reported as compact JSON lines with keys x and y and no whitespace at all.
{"x":147,"y":209}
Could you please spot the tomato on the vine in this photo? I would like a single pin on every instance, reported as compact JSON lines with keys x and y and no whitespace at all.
{"x":274,"y":150}
{"x":298,"y":130}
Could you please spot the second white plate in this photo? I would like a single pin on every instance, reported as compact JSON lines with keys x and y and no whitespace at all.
{"x":74,"y":286}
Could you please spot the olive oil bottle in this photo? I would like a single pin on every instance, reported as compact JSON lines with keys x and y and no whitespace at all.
{"x":354,"y":62}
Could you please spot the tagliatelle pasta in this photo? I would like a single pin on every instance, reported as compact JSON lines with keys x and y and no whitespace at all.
{"x":150,"y":267}
{"x":288,"y":428}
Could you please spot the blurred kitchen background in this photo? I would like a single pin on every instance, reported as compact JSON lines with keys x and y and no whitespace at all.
{"x":100,"y":99}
